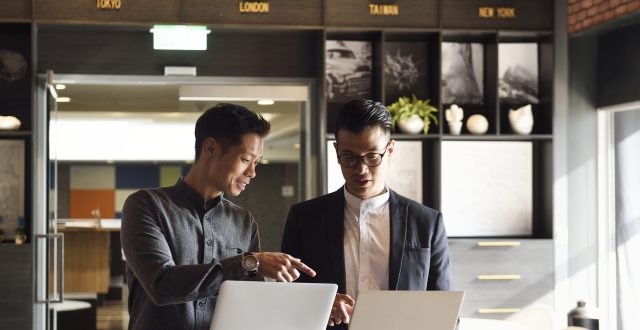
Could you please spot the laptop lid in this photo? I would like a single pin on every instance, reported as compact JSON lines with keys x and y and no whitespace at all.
{"x":406,"y":310}
{"x":243,"y":305}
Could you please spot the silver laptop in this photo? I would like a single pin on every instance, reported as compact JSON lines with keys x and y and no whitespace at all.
{"x":406,"y":310}
{"x":246,"y":305}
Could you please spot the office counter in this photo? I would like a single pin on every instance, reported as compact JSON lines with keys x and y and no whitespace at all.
{"x":87,"y":254}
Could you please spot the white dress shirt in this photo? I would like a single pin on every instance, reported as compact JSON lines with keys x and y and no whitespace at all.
{"x":367,"y":236}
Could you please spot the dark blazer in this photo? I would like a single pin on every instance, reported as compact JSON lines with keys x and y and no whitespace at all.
{"x":418,"y":256}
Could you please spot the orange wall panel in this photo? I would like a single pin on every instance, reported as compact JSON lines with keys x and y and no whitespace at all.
{"x":82,"y":202}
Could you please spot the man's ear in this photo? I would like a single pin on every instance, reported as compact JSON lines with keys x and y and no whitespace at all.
{"x":211,"y":147}
{"x":392,"y":144}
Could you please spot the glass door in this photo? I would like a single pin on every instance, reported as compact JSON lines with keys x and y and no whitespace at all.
{"x":109,"y":136}
{"x":48,"y":242}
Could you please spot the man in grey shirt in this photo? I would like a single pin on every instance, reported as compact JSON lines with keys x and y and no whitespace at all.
{"x":181,"y":242}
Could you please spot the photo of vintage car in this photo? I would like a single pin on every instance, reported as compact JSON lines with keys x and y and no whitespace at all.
{"x":348,"y":70}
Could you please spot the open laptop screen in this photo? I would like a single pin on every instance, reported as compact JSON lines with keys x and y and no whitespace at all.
{"x":406,"y":310}
{"x":246,"y":305}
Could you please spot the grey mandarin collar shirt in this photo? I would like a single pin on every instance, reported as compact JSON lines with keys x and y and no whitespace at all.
{"x":179,"y":248}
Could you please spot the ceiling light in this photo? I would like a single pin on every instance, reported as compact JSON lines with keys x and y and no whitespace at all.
{"x":265,"y":102}
{"x":180,"y":37}
{"x":63,"y":99}
{"x":230,"y":93}
{"x":296,"y":146}
{"x":60,"y":86}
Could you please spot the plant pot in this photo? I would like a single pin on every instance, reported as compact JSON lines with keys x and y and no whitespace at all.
{"x":455,"y":127}
{"x":411,"y":125}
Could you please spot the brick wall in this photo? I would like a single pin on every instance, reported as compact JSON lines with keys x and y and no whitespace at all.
{"x":584,"y":14}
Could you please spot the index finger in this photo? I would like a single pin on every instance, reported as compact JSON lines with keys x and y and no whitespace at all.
{"x":347,"y":299}
{"x":302,"y":267}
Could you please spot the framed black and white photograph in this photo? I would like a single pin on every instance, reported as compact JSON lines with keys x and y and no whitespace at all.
{"x":348,"y":66}
{"x":405,"y":70}
{"x":462,"y":73}
{"x":404,"y":173}
{"x":518,"y":73}
{"x":11,"y":187}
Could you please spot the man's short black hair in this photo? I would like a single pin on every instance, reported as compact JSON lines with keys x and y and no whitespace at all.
{"x":227,"y":123}
{"x":356,"y":116}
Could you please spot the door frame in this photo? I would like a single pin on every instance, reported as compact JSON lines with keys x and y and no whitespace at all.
{"x":310,"y":161}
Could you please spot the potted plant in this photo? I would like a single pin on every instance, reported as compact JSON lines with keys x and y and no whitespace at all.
{"x":412,"y":115}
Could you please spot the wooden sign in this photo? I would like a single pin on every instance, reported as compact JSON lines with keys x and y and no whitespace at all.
{"x":265,"y":12}
{"x":151,"y":11}
{"x":109,"y":4}
{"x":257,"y":7}
{"x":497,"y":14}
{"x":16,"y":10}
{"x":385,"y":13}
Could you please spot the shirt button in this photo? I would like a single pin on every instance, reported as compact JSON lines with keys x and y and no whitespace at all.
{"x":201,"y":303}
{"x":209,"y":242}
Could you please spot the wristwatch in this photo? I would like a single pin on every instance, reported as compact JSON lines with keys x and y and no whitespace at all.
{"x":250,"y":263}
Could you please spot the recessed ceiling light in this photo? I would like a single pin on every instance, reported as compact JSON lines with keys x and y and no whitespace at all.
{"x":265,"y":102}
{"x":63,"y":100}
{"x":60,"y":86}
{"x":296,"y":146}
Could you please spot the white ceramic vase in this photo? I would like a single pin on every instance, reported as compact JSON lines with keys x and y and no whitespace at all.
{"x":521,"y":120}
{"x":477,"y":124}
{"x":455,"y":127}
{"x":411,"y":125}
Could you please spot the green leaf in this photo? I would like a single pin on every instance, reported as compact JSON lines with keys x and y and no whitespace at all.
{"x":404,"y":107}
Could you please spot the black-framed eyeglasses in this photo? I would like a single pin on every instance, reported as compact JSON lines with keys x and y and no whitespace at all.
{"x":371,"y":159}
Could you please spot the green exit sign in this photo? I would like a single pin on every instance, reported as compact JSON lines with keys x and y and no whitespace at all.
{"x":180,"y":37}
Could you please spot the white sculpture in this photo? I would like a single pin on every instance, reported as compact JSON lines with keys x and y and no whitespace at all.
{"x":521,"y":120}
{"x":477,"y":124}
{"x":454,"y":117}
{"x":9,"y":123}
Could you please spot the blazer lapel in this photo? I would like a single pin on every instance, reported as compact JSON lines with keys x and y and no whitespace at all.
{"x":335,"y":237}
{"x":398,"y":222}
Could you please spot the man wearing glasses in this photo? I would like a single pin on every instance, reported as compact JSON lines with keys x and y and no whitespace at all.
{"x":365,"y":236}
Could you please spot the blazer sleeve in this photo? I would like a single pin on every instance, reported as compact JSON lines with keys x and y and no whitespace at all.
{"x":440,"y":266}
{"x":292,"y":238}
{"x":291,"y":235}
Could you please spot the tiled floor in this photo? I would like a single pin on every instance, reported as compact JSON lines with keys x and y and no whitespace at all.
{"x":113,"y":315}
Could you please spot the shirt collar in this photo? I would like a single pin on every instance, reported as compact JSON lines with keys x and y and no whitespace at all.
{"x":369,"y":203}
{"x":195,"y":197}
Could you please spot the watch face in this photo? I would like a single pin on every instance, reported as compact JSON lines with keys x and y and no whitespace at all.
{"x":250,"y":263}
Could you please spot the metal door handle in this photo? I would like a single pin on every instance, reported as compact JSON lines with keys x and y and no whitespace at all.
{"x":497,"y":310}
{"x":499,"y":243}
{"x":498,"y":277}
{"x":57,"y":263}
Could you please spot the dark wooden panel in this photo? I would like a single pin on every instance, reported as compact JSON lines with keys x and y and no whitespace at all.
{"x":411,"y":14}
{"x":17,"y":292}
{"x":99,"y":50}
{"x":88,"y":11}
{"x":16,"y":10}
{"x":281,"y":12}
{"x":497,"y":14}
{"x":618,"y":67}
